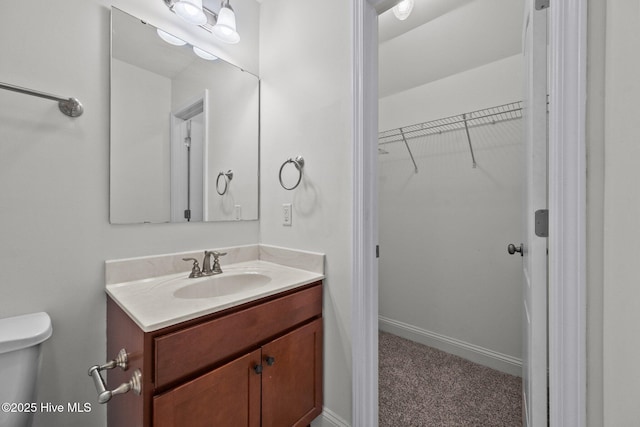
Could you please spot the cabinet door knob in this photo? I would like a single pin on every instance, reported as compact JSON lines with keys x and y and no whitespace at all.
{"x":258,"y":369}
{"x":270,"y":360}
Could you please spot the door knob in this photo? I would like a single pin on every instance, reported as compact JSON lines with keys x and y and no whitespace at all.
{"x":512,"y":249}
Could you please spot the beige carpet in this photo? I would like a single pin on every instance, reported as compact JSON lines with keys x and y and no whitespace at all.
{"x":421,"y":386}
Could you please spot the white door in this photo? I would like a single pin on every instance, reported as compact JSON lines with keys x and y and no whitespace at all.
{"x":534,"y":247}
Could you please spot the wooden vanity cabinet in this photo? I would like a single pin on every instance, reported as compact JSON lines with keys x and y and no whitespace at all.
{"x":259,"y":364}
{"x":291,"y":377}
{"x":226,"y":396}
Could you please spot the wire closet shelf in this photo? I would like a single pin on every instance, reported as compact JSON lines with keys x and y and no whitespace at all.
{"x":465,"y":121}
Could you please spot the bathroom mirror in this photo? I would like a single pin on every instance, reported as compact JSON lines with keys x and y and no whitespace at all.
{"x":184,"y":131}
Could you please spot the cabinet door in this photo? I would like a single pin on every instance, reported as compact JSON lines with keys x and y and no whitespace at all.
{"x":227,"y":397}
{"x":292,"y":377}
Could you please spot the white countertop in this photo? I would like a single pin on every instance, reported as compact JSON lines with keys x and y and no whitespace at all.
{"x":152,"y":305}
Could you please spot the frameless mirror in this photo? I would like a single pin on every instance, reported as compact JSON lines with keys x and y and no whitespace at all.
{"x":184,"y":131}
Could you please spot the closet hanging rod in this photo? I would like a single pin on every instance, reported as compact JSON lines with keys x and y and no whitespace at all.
{"x":464,"y":121}
{"x":68,"y":106}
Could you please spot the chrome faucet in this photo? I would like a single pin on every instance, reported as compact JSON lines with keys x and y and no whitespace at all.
{"x":207,"y":270}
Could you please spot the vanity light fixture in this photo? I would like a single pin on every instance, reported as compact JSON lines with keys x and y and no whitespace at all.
{"x":225,"y":28}
{"x":204,"y":54}
{"x":222,"y":24}
{"x":170,"y":38}
{"x":403,"y":9}
{"x":191,"y":11}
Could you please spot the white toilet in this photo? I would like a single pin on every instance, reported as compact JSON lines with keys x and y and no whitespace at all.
{"x":20,"y":339}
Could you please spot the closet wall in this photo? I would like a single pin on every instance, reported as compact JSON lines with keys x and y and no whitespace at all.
{"x":445,"y":276}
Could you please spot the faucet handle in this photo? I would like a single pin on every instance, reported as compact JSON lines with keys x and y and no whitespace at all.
{"x":195,"y":270}
{"x":216,"y":262}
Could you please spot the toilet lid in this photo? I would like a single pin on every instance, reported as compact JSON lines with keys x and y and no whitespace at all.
{"x":24,"y":331}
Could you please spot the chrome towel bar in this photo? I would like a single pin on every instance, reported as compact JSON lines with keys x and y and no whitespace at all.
{"x":68,"y":106}
{"x":122,"y":362}
{"x":227,"y":177}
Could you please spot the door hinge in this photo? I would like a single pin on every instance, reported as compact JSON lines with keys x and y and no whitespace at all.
{"x":542,"y":223}
{"x":542,"y":4}
{"x":187,"y":213}
{"x":377,"y":251}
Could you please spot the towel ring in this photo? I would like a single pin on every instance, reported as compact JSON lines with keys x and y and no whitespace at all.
{"x":228,"y":176}
{"x":298,"y":162}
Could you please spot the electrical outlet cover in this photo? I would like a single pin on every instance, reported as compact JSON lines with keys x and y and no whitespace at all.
{"x":287,"y":213}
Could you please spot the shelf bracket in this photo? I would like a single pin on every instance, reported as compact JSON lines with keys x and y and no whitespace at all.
{"x":415,"y":167}
{"x":466,"y":128}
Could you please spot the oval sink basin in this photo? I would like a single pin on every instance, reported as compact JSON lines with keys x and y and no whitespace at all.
{"x":220,"y":286}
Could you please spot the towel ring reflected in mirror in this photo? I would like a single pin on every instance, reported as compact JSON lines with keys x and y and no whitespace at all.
{"x":228,"y":176}
{"x":298,"y":162}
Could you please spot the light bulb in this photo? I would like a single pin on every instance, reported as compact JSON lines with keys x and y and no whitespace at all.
{"x":203,"y":54}
{"x":403,"y":9}
{"x":170,"y":38}
{"x":191,"y":11}
{"x":225,"y":28}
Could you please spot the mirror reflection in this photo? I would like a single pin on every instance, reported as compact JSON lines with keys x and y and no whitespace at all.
{"x":184,"y":130}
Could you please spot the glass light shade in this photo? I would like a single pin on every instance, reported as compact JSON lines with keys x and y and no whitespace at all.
{"x":403,"y":9}
{"x":191,"y":11}
{"x":170,"y":38}
{"x":225,"y":28}
{"x":203,"y":54}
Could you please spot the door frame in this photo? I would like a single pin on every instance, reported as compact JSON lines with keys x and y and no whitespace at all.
{"x":567,"y":212}
{"x":176,"y":116}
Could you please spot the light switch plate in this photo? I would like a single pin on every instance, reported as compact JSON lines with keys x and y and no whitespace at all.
{"x":287,"y":213}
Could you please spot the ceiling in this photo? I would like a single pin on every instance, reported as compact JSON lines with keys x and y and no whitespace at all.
{"x":440,"y":38}
{"x":136,"y":43}
{"x":445,"y":37}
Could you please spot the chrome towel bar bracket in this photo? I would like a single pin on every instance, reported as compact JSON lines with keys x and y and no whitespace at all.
{"x":298,"y":162}
{"x":68,"y":106}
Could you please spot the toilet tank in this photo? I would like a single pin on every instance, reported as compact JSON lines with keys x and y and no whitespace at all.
{"x":20,"y":339}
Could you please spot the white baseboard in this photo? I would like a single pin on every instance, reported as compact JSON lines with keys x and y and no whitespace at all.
{"x":483,"y":356}
{"x":329,"y":419}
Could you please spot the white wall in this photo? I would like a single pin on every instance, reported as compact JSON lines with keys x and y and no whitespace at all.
{"x":444,"y":267}
{"x":140,"y":143}
{"x":233,"y":136}
{"x":488,"y":85}
{"x":621,"y":212}
{"x":54,"y":185}
{"x":306,"y":110}
{"x":455,"y":38}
